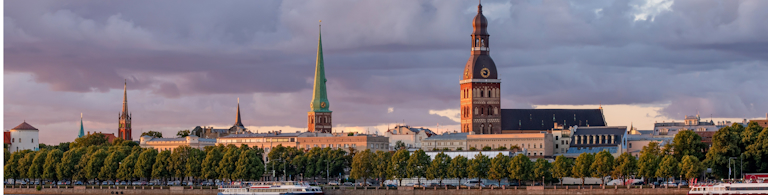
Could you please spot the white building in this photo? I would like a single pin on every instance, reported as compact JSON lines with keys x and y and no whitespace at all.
{"x":411,"y":136}
{"x":24,"y":137}
{"x":162,"y":144}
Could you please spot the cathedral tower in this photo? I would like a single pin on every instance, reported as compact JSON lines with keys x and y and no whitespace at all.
{"x":319,"y":118}
{"x":480,"y":86}
{"x":124,"y":129}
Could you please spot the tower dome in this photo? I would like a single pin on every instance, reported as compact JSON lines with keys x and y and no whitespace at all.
{"x":480,"y":24}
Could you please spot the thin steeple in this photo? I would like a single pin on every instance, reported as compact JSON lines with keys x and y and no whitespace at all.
{"x":82,"y":132}
{"x":319,"y":95}
{"x":125,"y":98}
{"x":238,"y":121}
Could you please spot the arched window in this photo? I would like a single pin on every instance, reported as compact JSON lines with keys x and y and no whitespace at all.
{"x":481,"y":111}
{"x":490,"y":128}
{"x":476,"y":111}
{"x":489,"y":93}
{"x":482,"y":93}
{"x":482,"y":128}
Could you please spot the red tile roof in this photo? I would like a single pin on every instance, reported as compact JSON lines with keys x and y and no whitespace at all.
{"x":110,"y":136}
{"x":24,"y":126}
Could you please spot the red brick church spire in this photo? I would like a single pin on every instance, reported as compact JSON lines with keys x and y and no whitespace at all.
{"x":124,"y":127}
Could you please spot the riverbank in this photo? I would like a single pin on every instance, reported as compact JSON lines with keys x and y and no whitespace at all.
{"x":537,"y":190}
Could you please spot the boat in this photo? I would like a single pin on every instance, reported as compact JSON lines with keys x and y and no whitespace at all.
{"x":269,"y":188}
{"x":729,"y":188}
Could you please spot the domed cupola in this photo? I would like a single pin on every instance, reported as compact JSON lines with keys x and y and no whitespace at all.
{"x":480,"y":24}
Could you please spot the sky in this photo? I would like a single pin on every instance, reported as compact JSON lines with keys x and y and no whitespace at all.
{"x":387,"y":62}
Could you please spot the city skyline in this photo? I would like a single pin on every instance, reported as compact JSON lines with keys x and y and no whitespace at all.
{"x":396,"y":61}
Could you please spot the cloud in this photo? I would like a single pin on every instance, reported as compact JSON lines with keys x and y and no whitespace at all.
{"x":186,"y":64}
{"x":651,"y":8}
{"x":452,"y":114}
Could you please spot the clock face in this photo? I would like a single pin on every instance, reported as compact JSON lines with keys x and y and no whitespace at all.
{"x":485,"y":72}
{"x":322,"y":104}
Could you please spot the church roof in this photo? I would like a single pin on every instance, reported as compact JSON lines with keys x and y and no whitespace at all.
{"x":238,"y":123}
{"x":545,"y":119}
{"x":24,"y":126}
{"x":319,"y":94}
{"x":480,"y":65}
{"x":479,"y":23}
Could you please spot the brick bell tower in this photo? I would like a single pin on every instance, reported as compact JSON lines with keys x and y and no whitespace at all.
{"x":480,"y":86}
{"x":124,"y":127}
{"x":319,"y":118}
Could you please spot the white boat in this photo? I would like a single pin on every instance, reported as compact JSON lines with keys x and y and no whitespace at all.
{"x":269,"y":188}
{"x":730,"y":188}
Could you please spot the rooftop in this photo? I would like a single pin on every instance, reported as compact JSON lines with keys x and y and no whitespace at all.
{"x":545,"y":119}
{"x":448,"y":136}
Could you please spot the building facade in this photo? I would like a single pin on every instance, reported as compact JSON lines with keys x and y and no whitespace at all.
{"x":358,"y":142}
{"x":535,"y":144}
{"x":480,"y":87}
{"x":124,"y":118}
{"x":410,"y":136}
{"x":596,"y":139}
{"x":445,"y":141}
{"x":561,"y":140}
{"x":24,"y":137}
{"x":168,"y":144}
{"x":320,"y":117}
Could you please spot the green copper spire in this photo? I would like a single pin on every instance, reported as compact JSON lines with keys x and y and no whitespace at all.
{"x":319,"y":95}
{"x":82,"y":133}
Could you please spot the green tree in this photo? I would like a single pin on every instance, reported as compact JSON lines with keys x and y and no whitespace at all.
{"x":242,"y":166}
{"x":257,"y":164}
{"x":487,"y":148}
{"x":438,"y":168}
{"x":183,"y":133}
{"x":520,"y":168}
{"x":154,"y":134}
{"x":498,"y":168}
{"x":668,"y":167}
{"x":160,"y":167}
{"x":398,"y":167}
{"x":211,"y":162}
{"x":648,"y":162}
{"x":472,"y":149}
{"x":582,"y":166}
{"x":177,"y":165}
{"x":400,"y":145}
{"x":690,"y":167}
{"x":459,"y":167}
{"x":110,"y":166}
{"x":144,"y":164}
{"x":602,"y":166}
{"x":688,"y":143}
{"x":127,"y":167}
{"x":36,"y":167}
{"x":382,"y":160}
{"x":542,"y":169}
{"x":624,"y":166}
{"x":362,"y":165}
{"x":95,"y":163}
{"x":726,"y":143}
{"x":227,"y":164}
{"x":479,"y":167}
{"x":11,"y":168}
{"x":195,"y":164}
{"x":758,"y":152}
{"x":25,"y":164}
{"x":96,"y":139}
{"x":562,"y":168}
{"x":418,"y":164}
{"x":51,"y":162}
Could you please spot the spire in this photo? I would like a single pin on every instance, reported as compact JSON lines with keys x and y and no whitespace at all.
{"x":319,"y":95}
{"x":125,"y":98}
{"x":237,"y":122}
{"x":82,"y":133}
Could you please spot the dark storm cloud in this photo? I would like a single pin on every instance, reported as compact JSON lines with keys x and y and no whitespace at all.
{"x":190,"y":59}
